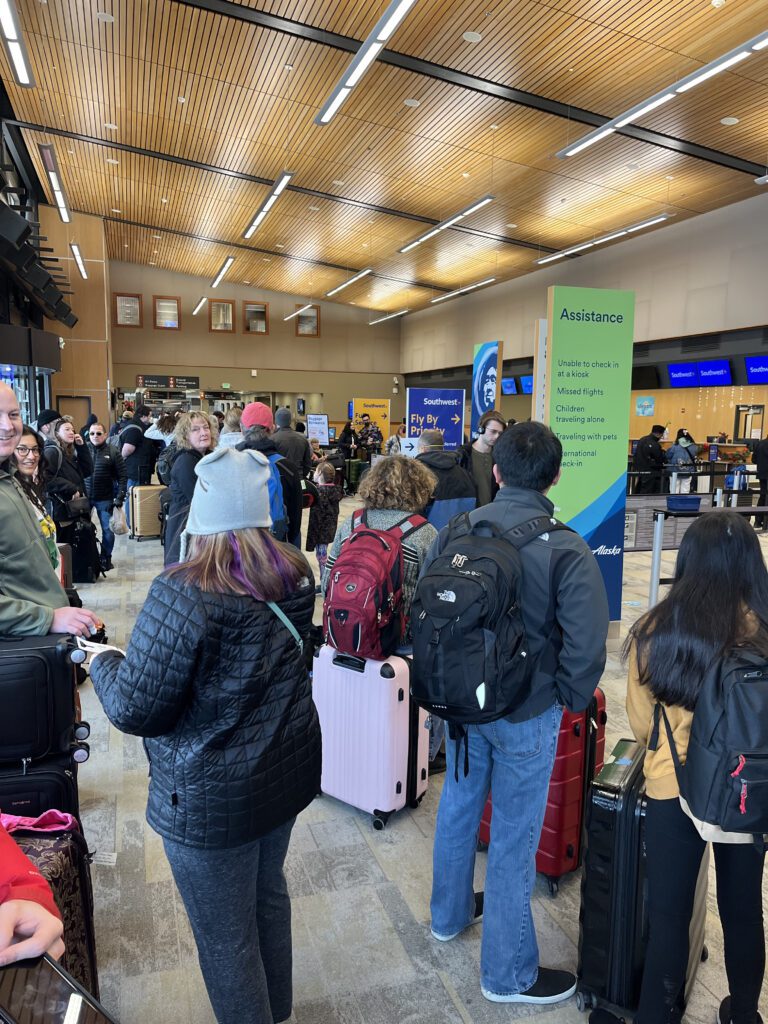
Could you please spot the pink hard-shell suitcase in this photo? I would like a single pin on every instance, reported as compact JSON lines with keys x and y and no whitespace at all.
{"x":375,"y":741}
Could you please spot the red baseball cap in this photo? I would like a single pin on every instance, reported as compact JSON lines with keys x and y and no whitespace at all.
{"x":256,"y":414}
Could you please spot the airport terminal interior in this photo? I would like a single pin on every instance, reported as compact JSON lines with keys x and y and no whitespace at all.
{"x":340,"y":208}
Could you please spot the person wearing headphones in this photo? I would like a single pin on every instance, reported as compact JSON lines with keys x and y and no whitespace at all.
{"x":477,"y":457}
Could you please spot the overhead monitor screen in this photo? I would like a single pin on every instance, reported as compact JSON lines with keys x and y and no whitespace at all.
{"x":714,"y":373}
{"x":757,"y":369}
{"x":526,"y":385}
{"x":508,"y":386}
{"x":683,"y":375}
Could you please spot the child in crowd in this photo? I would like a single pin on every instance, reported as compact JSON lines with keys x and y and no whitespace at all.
{"x":324,"y":514}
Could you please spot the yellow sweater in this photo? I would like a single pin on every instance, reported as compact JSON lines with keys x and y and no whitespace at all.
{"x":661,"y":782}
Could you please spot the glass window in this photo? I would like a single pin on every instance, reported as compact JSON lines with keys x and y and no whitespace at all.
{"x":308,"y":323}
{"x":167,"y":310}
{"x":127,"y":310}
{"x":256,"y":317}
{"x":221,"y":315}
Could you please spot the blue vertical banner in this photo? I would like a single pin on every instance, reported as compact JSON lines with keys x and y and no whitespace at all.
{"x":485,"y":380}
{"x":434,"y":409}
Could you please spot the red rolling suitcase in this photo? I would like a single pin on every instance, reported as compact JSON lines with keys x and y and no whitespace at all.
{"x":579,"y":757}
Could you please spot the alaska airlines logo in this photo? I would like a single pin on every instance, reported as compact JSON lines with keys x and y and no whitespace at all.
{"x":603,"y":550}
{"x":458,"y":561}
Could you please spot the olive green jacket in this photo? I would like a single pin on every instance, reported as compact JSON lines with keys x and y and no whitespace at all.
{"x":29,"y":587}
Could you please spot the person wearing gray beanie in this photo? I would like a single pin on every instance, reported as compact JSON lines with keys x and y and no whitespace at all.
{"x":215,"y":679}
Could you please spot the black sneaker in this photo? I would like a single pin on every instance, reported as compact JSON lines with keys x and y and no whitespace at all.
{"x":550,"y":987}
{"x":724,"y":1013}
{"x":479,"y":902}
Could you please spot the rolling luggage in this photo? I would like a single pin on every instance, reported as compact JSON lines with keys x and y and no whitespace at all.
{"x":165,"y":507}
{"x":86,"y":554}
{"x":37,"y":698}
{"x":62,"y":858}
{"x":65,"y":565}
{"x":375,"y":740}
{"x":579,"y":757}
{"x":613,"y":920}
{"x":41,"y":992}
{"x":353,"y":469}
{"x":145,"y":511}
{"x":30,"y":788}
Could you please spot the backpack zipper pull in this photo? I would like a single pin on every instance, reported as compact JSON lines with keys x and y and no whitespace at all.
{"x":742,"y":762}
{"x":25,"y":763}
{"x":743,"y":801}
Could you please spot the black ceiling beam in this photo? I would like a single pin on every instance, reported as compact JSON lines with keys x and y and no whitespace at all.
{"x":267,"y":252}
{"x":440,"y":72}
{"x":198,"y":165}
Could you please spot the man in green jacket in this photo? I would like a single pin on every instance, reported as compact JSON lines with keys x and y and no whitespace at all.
{"x":32,"y":601}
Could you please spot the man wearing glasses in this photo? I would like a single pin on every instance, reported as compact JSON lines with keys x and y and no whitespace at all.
{"x":106,"y":487}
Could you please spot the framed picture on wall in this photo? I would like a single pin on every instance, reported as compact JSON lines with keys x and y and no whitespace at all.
{"x":221,"y":315}
{"x":167,"y":312}
{"x":256,"y":317}
{"x":308,"y":322}
{"x":127,"y":310}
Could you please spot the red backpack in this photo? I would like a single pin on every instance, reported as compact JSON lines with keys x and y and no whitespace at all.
{"x":363,"y":608}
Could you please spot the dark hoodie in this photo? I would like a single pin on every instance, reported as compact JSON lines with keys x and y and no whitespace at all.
{"x":455,"y":491}
{"x":293,"y":498}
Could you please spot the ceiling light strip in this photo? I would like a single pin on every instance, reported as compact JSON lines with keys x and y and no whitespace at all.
{"x":222,"y":271}
{"x":572,"y":250}
{"x":10,"y":28}
{"x":461,"y":291}
{"x":79,"y":260}
{"x":762,"y":181}
{"x":448,"y":222}
{"x":370,"y":49}
{"x":296,"y":312}
{"x":715,"y":67}
{"x":51,"y":166}
{"x":389,"y":316}
{"x":266,"y":206}
{"x":199,"y":306}
{"x":346,"y":284}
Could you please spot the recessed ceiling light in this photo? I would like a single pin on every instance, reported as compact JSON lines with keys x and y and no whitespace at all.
{"x":465,"y":174}
{"x":472,"y":37}
{"x":729,"y":121}
{"x":266,"y":259}
{"x":338,"y":182}
{"x":111,"y":160}
{"x":288,"y":67}
{"x":494,"y":127}
{"x":410,"y":102}
{"x":154,"y":252}
{"x":182,"y":99}
{"x":71,"y":152}
{"x":511,"y":225}
{"x":163,"y":200}
{"x":314,"y":209}
{"x":156,"y":236}
{"x":717,"y":4}
{"x":279,"y":245}
{"x":633,"y":167}
{"x":104,"y":17}
{"x":365,"y":245}
{"x":110,"y":126}
{"x":152,"y":264}
{"x":669,"y":177}
{"x":125,"y":245}
{"x":115,"y":210}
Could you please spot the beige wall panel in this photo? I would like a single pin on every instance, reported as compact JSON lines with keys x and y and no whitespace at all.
{"x":723,"y":253}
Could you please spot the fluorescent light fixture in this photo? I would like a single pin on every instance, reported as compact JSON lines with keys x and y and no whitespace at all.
{"x":728,"y":60}
{"x":51,"y":166}
{"x":78,"y":260}
{"x":646,"y":108}
{"x":449,"y":222}
{"x":199,"y":306}
{"x":370,"y":49}
{"x":346,"y":284}
{"x":269,"y":202}
{"x":389,"y":316}
{"x":572,"y":250}
{"x":460,"y":291}
{"x":222,"y":271}
{"x":10,"y":26}
{"x":762,"y":181}
{"x":711,"y":70}
{"x":296,"y":313}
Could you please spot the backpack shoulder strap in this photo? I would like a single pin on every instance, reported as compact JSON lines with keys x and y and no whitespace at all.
{"x":359,"y":518}
{"x":660,"y":712}
{"x":278,"y":611}
{"x":407,"y":526}
{"x":525,"y":532}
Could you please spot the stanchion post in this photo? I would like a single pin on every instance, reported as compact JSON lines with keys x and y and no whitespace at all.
{"x":658,"y":542}
{"x":719,"y":497}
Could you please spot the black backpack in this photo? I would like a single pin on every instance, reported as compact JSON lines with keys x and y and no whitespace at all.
{"x":165,"y":463}
{"x":724,"y":779}
{"x":470,"y":654}
{"x":86,"y":556}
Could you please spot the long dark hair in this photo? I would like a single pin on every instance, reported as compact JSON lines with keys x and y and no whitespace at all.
{"x":35,"y":490}
{"x":720,"y":580}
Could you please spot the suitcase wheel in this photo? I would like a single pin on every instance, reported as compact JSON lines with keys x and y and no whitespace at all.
{"x":585,"y":1001}
{"x":415,"y":803}
{"x":380,"y":819}
{"x":553,"y":884}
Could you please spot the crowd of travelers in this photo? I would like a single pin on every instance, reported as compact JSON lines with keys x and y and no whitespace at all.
{"x":216,"y":680}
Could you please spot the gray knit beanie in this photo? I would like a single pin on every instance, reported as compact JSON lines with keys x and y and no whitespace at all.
{"x":283,"y":418}
{"x":231,"y":493}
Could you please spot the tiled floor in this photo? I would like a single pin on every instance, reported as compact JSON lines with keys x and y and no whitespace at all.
{"x":362,"y":949}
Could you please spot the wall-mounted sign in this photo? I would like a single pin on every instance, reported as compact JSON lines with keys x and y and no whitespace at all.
{"x":434,"y":409}
{"x":645,"y":405}
{"x":485,"y":390}
{"x":317,"y":426}
{"x":153,"y":380}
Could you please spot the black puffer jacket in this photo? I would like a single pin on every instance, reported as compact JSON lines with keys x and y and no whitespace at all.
{"x":108,"y":470}
{"x":219,"y":688}
{"x":67,"y":474}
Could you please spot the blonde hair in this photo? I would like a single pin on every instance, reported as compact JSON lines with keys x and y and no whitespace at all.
{"x":248,"y":562}
{"x":398,"y":483}
{"x":232,"y":419}
{"x":183,"y":427}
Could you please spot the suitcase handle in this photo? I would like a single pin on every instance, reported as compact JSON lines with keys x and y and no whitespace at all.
{"x":349,"y":661}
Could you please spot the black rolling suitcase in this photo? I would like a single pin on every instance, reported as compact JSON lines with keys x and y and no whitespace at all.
{"x":29,"y":789}
{"x":613,"y":919}
{"x":86,"y":554}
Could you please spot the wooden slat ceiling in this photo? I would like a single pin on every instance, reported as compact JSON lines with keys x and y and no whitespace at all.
{"x":244,"y":111}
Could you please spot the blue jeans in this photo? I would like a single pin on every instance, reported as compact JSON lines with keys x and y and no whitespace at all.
{"x":514,"y":759}
{"x":104,"y":511}
{"x":239,"y":909}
